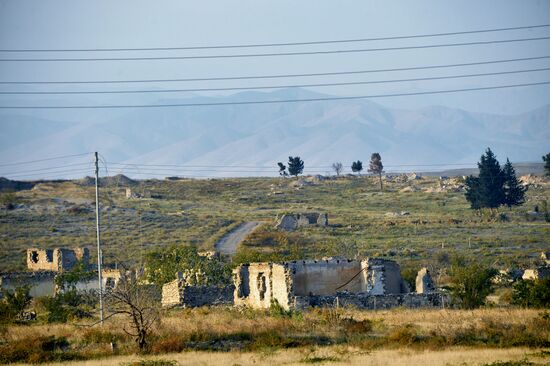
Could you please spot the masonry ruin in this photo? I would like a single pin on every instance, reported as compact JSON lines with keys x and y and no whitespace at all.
{"x":299,"y":284}
{"x":56,"y":260}
{"x":291,"y":222}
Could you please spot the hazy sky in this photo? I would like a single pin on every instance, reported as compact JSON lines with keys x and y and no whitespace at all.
{"x":126,"y":24}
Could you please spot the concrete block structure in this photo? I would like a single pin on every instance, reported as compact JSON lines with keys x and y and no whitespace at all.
{"x":56,"y":260}
{"x":258,"y":285}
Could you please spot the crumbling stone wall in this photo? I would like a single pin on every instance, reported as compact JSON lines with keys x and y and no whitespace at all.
{"x":536,"y":273}
{"x":57,"y":260}
{"x":372,"y":302}
{"x":259,"y":284}
{"x":176,"y":293}
{"x":40,"y":283}
{"x":424,"y":282}
{"x":291,"y":222}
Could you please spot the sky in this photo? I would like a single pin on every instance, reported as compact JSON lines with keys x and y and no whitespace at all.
{"x":53,"y":24}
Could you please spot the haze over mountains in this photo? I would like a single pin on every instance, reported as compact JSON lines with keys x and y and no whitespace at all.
{"x":248,"y":140}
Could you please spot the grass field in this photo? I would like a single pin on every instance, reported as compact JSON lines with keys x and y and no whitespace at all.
{"x":198,"y":212}
{"x":232,"y":336}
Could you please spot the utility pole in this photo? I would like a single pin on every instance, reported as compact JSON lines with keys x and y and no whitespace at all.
{"x":99,"y":256}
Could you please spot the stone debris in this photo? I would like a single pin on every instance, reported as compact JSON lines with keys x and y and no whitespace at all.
{"x":536,"y":273}
{"x":291,"y":222}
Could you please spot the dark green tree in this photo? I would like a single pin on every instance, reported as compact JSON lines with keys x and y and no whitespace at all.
{"x":357,"y":167}
{"x":282,"y":169}
{"x":376,"y":166}
{"x":546,"y":159}
{"x":514,"y":191}
{"x":470,"y":283}
{"x":473,"y":193}
{"x":487,"y":190}
{"x":295,"y":165}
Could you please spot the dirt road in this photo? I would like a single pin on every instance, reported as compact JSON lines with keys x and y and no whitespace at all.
{"x":228,"y":243}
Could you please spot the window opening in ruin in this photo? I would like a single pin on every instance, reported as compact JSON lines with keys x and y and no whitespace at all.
{"x":110,"y":283}
{"x":34,"y":256}
{"x":262,"y":287}
{"x":49,"y":255}
{"x":244,"y":286}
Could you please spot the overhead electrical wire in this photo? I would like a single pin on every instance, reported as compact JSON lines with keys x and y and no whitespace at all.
{"x":387,"y":38}
{"x":46,"y":159}
{"x":49,"y":168}
{"x":65,"y":92}
{"x":273,"y":54}
{"x":320,"y":99}
{"x":280,"y":75}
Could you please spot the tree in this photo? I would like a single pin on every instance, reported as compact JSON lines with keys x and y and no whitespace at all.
{"x":486,"y":190}
{"x":376,"y":166}
{"x":136,"y":301}
{"x":532,"y":293}
{"x":162,"y":264}
{"x":470,"y":283}
{"x":282,"y":169}
{"x":546,"y":159}
{"x":14,"y":303}
{"x":514,"y":191}
{"x":357,"y":166}
{"x":337,"y":167}
{"x":295,"y":165}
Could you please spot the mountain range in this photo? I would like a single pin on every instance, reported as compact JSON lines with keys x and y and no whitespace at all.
{"x":248,"y":140}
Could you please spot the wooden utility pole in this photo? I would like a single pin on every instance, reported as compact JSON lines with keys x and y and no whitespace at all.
{"x":99,"y":256}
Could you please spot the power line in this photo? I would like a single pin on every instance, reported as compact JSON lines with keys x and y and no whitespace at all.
{"x":270,"y":86}
{"x":47,"y":169}
{"x":54,"y":173}
{"x":277,"y":76}
{"x":46,"y":159}
{"x":279,"y":44}
{"x":321,"y":99}
{"x":273,"y":54}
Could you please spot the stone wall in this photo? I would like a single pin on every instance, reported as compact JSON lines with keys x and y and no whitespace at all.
{"x":40,"y":283}
{"x":371,"y":302}
{"x":259,"y":284}
{"x":291,"y":222}
{"x":57,"y":260}
{"x":175,"y":293}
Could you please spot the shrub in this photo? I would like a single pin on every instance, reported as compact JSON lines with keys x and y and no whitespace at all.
{"x":14,"y":304}
{"x":470,"y":283}
{"x":37,"y":349}
{"x":532,"y":293}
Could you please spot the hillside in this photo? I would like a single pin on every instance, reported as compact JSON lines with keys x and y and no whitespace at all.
{"x":416,"y":222}
{"x":258,"y":136}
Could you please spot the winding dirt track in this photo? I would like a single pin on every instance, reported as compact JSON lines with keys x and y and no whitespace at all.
{"x":228,"y":243}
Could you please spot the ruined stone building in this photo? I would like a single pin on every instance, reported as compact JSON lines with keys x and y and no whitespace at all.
{"x":299,"y":284}
{"x":56,"y":260}
{"x":179,"y":293}
{"x":290,"y":222}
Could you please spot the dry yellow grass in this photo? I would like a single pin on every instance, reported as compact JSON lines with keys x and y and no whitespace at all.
{"x":335,"y":355}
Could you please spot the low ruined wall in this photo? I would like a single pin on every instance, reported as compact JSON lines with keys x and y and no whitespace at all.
{"x":40,"y":283}
{"x":372,"y":302}
{"x":176,"y":294}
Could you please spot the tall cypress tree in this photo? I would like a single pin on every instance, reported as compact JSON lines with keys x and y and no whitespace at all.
{"x":491,"y":181}
{"x":487,"y":189}
{"x":514,"y":192}
{"x":546,"y":159}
